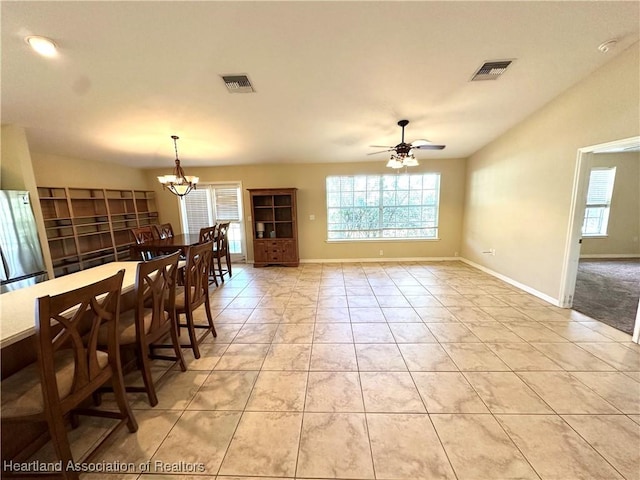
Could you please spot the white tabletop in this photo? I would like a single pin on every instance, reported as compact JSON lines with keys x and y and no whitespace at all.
{"x":18,"y":307}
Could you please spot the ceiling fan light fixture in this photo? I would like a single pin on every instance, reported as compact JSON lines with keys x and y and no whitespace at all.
{"x":410,"y":161}
{"x":402,"y":154}
{"x":394,"y":163}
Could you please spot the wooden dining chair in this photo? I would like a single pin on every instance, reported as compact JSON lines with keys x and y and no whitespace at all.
{"x":221,"y":250}
{"x":70,"y":366}
{"x":152,"y":320}
{"x":164,"y":230}
{"x":208,"y":234}
{"x":196,"y":294}
{"x":143,"y":235}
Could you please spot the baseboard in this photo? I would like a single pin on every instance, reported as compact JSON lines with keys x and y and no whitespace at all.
{"x":611,"y":255}
{"x":379,"y":260}
{"x":543,"y":296}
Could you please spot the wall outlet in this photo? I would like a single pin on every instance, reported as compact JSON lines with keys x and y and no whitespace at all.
{"x":493,"y":252}
{"x":381,"y":253}
{"x":455,"y":254}
{"x":312,"y":217}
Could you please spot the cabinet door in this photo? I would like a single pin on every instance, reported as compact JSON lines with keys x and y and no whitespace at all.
{"x":289,"y":251}
{"x":260,"y":252}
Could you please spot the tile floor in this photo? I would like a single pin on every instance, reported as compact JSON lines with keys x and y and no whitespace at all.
{"x":388,"y":371}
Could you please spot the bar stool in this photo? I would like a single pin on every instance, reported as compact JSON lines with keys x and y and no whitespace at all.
{"x":152,"y":320}
{"x":221,"y":250}
{"x":196,"y":293}
{"x":70,"y":367}
{"x":142,"y":235}
{"x":164,"y":230}
{"x":208,"y":234}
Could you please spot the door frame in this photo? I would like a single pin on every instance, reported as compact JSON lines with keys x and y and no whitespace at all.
{"x":576,"y":219}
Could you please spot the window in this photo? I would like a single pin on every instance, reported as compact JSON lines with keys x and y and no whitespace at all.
{"x":213,"y":203}
{"x":383,"y":206}
{"x":596,"y":215}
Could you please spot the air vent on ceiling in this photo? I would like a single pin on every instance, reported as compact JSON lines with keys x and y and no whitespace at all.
{"x":491,"y":70}
{"x":238,"y":83}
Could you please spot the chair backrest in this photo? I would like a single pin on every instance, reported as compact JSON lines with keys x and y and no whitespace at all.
{"x":156,"y":291}
{"x":207,"y":234}
{"x":196,"y":276}
{"x":222,"y":241}
{"x":164,"y":231}
{"x":143,"y":234}
{"x":71,"y":321}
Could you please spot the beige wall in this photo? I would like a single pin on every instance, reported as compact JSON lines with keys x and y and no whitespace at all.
{"x":310,"y":181}
{"x":57,"y":171}
{"x":624,"y":217}
{"x":519,"y":187}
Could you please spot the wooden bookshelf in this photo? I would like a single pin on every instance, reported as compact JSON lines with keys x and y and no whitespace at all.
{"x":276,"y":210}
{"x":87,"y":227}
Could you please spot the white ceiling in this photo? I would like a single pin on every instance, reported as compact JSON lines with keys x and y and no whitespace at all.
{"x":331,"y":78}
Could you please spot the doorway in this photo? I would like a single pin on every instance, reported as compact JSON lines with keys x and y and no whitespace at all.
{"x":587,"y":158}
{"x":213,"y":203}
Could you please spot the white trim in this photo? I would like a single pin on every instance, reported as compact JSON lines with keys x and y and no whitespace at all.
{"x":378,"y":240}
{"x":611,"y":255}
{"x":379,"y":260}
{"x":515,"y":283}
{"x":578,"y":203}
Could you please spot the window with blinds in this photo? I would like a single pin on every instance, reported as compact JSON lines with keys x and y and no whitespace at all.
{"x":599,"y":193}
{"x":214,"y":203}
{"x":196,"y":213}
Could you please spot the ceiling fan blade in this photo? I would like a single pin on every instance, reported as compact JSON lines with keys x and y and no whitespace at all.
{"x":429,"y":147}
{"x":381,"y":146}
{"x":382,"y":151}
{"x":420,"y":142}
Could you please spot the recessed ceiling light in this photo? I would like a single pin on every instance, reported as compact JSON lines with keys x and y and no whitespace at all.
{"x":608,"y":45}
{"x":42,"y":45}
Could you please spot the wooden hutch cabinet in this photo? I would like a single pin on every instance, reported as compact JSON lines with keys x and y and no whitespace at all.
{"x":87,"y":227}
{"x":275,"y":227}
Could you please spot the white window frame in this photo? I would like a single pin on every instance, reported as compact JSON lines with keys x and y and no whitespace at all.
{"x":344,"y":192}
{"x":599,"y":210}
{"x":237,"y":228}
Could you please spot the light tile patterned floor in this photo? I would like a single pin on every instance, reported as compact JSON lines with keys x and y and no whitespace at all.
{"x":390,"y":371}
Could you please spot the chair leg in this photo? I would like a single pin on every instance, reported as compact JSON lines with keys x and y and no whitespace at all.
{"x":207,"y":309}
{"x":146,"y":374}
{"x":60,"y":442}
{"x":220,"y":269}
{"x":121,"y":397}
{"x":175,"y":329}
{"x":212,"y":271}
{"x":192,"y":333}
{"x":229,"y":263}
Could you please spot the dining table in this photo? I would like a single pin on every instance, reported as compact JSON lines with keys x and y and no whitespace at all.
{"x":161,"y":246}
{"x":18,"y":307}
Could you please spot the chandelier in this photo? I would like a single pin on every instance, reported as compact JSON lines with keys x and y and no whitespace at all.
{"x":179,"y":184}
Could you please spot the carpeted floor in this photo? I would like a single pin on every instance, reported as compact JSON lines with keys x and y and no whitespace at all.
{"x":608,"y":290}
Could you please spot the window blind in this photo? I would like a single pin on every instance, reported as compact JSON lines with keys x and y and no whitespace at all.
{"x":600,"y":186}
{"x":196,"y":210}
{"x":227,"y":204}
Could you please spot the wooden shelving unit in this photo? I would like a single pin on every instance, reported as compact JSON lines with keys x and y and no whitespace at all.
{"x":87,"y":227}
{"x":276,"y":209}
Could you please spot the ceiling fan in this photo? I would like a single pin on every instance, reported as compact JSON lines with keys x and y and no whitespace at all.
{"x":402,"y":155}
